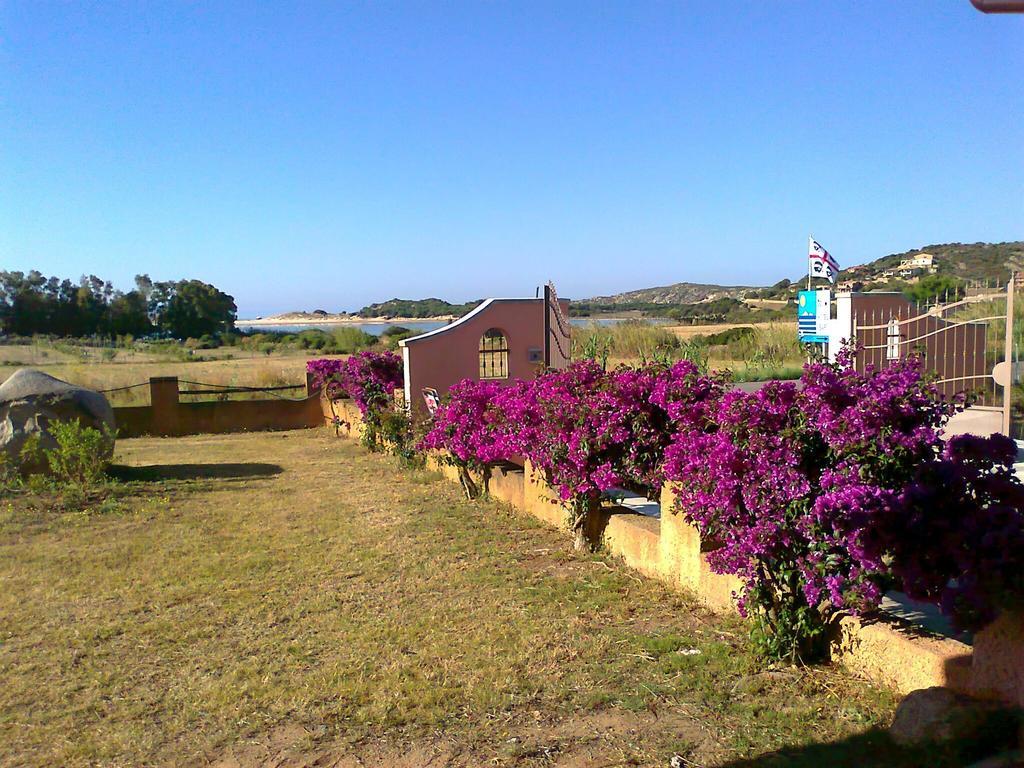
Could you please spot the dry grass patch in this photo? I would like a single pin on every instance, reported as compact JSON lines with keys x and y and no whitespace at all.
{"x":249,"y":371}
{"x":288,"y":597}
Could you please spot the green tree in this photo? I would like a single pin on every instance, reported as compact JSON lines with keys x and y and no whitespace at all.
{"x":128,"y":315}
{"x":942,"y":288}
{"x":31,"y":303}
{"x":192,"y":308}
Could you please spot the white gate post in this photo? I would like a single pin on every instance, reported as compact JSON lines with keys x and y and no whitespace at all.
{"x":1008,"y":355}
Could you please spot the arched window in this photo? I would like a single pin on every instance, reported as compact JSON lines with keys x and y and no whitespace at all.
{"x":493,"y":355}
{"x":892,"y":340}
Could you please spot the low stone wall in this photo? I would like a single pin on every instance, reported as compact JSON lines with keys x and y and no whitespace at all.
{"x":166,"y":416}
{"x":976,"y":420}
{"x":343,"y":415}
{"x":886,"y":650}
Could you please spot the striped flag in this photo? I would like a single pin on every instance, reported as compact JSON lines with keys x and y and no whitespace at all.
{"x":820,"y":262}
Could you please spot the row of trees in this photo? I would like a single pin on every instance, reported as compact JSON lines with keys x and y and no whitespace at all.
{"x":32,"y":303}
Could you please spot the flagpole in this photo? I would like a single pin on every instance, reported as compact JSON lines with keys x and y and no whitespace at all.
{"x":809,"y":238}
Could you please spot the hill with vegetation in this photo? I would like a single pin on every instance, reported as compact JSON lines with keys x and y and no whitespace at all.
{"x":964,"y":261}
{"x":416,"y":308}
{"x":677,"y":293}
{"x":955,"y":265}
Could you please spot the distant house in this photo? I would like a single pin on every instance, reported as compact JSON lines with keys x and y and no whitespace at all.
{"x":501,"y":340}
{"x":921,"y":261}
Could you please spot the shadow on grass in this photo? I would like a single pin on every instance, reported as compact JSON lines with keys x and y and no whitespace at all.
{"x":869,"y":749}
{"x":220,"y":471}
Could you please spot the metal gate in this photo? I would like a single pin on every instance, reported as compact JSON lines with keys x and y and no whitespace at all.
{"x":969,"y":345}
{"x":557,"y":336}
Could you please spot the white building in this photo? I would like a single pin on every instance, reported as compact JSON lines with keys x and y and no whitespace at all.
{"x":921,"y":261}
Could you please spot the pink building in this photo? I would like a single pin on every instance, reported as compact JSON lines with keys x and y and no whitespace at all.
{"x":500,"y":340}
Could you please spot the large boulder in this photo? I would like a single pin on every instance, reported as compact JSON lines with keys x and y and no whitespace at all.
{"x":30,"y":400}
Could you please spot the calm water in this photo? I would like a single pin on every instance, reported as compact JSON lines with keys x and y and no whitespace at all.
{"x":376,"y":329}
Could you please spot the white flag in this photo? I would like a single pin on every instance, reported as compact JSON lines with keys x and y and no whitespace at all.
{"x":820,"y":262}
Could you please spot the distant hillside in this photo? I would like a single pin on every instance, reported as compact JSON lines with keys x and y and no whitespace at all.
{"x":961,"y":261}
{"x":706,"y":302}
{"x":678,"y":293}
{"x":416,"y":308}
{"x":965,"y":261}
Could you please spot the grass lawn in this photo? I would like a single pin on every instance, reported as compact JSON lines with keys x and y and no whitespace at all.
{"x":282,"y":599}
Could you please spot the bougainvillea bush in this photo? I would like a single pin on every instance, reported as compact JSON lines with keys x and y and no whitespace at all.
{"x":821,"y":497}
{"x":955,"y":534}
{"x":572,"y":427}
{"x":370,"y":379}
{"x":589,"y":431}
{"x":467,"y":430}
{"x":585,"y":429}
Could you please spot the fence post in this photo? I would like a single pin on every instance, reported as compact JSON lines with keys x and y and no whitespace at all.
{"x":163,"y":400}
{"x":312,"y":387}
{"x":1008,"y":356}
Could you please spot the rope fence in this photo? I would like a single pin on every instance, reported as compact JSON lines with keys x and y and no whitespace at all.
{"x":225,"y":389}
{"x":122,"y":389}
{"x":217,"y":389}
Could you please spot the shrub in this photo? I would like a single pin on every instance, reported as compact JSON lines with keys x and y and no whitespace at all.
{"x":568,"y":423}
{"x":728,"y":336}
{"x":394,"y":434}
{"x":956,"y":535}
{"x":81,"y":456}
{"x":370,"y":379}
{"x":396,"y":333}
{"x":9,"y":475}
{"x":586,"y":429}
{"x":347,"y":339}
{"x":466,"y":430}
{"x":817,"y":498}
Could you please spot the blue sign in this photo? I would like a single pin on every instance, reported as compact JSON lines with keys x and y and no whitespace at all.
{"x":810,"y":325}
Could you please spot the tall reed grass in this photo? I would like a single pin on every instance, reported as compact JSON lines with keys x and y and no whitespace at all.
{"x":751,"y":352}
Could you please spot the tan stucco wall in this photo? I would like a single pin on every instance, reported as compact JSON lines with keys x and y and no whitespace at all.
{"x":901,"y":656}
{"x":997,"y":666}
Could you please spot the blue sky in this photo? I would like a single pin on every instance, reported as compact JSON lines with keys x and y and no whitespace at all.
{"x":328,"y":155}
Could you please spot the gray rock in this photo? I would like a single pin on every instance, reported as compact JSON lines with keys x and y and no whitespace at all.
{"x":938,"y":715}
{"x":30,"y":400}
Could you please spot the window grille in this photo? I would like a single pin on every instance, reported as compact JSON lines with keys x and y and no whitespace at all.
{"x":493,"y":355}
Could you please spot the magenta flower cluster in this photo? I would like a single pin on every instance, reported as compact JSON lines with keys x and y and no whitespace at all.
{"x":468,"y":426}
{"x":819,"y":495}
{"x":588,"y":430}
{"x":822,"y":496}
{"x":368,"y":377}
